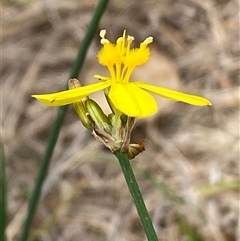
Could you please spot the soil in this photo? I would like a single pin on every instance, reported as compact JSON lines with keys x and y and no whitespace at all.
{"x":189,"y":172}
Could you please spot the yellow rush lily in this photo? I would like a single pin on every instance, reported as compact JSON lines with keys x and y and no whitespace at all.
{"x":131,"y":98}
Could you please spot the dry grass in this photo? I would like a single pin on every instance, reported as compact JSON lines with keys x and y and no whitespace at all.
{"x":191,"y":164}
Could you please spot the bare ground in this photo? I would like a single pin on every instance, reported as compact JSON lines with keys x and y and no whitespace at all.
{"x":189,"y":173}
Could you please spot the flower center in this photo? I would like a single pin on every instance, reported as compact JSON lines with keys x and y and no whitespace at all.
{"x":120,"y":58}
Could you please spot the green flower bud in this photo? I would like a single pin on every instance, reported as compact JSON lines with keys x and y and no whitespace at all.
{"x":97,"y":115}
{"x":79,"y":106}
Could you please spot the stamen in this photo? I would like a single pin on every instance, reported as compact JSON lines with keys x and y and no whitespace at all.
{"x":104,"y":41}
{"x":102,"y":33}
{"x":130,"y":39}
{"x":119,"y":41}
{"x":147,"y":41}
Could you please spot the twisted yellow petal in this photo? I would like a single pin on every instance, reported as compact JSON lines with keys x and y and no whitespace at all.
{"x":71,"y":96}
{"x":132,"y":101}
{"x":175,"y":95}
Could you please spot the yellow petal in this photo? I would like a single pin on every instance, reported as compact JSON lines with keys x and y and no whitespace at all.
{"x":101,"y":77}
{"x":71,"y":96}
{"x":132,"y":101}
{"x":175,"y":95}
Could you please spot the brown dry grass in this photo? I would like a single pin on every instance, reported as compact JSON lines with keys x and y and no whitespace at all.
{"x":192,"y":151}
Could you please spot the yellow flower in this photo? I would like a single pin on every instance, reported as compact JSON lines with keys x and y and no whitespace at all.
{"x":131,"y":98}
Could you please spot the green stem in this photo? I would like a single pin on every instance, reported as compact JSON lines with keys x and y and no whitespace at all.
{"x":43,"y":169}
{"x":136,"y":195}
{"x":3,"y":195}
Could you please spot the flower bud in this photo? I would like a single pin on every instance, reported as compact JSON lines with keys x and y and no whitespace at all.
{"x":97,"y":115}
{"x":79,"y":106}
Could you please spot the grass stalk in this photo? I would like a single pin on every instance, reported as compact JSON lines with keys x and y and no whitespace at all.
{"x":44,"y":165}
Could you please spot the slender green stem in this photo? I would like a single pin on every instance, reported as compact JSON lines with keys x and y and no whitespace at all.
{"x":136,"y":195}
{"x":34,"y":199}
{"x":92,"y":28}
{"x":3,"y":195}
{"x":36,"y":193}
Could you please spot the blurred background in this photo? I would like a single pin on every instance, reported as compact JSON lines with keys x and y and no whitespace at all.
{"x":189,"y":173}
